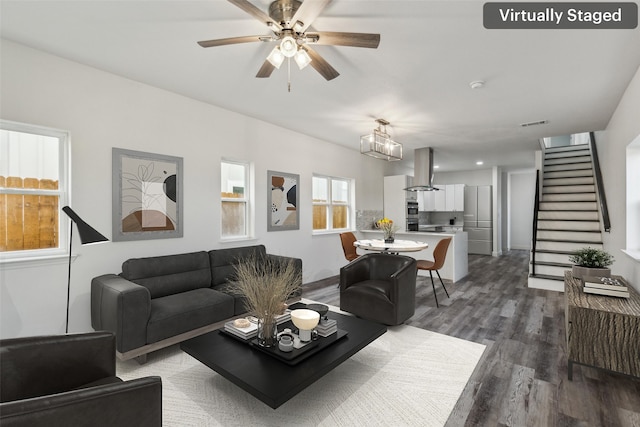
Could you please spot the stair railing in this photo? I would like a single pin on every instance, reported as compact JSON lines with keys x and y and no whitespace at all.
{"x":536,"y":208}
{"x":602,"y":199}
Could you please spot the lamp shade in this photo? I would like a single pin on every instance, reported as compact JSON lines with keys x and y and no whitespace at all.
{"x":87,"y":233}
{"x":302,"y":58}
{"x":304,"y":318}
{"x":288,"y":46}
{"x":276,"y":58}
{"x":380,"y":145}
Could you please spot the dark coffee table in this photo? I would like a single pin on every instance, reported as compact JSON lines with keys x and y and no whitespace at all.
{"x":269,"y":379}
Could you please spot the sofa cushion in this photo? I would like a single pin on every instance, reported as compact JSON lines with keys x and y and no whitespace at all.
{"x":182,"y":312}
{"x":224,"y":261}
{"x":170,"y":274}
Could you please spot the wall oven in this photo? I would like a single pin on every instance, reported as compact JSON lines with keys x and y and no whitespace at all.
{"x":412,"y":215}
{"x":412,"y":209}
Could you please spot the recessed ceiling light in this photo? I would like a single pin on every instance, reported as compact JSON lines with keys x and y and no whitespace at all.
{"x":436,"y":167}
{"x":476,"y":84}
{"x":480,"y":162}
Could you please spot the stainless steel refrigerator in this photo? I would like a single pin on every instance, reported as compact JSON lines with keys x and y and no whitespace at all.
{"x":478,"y":218}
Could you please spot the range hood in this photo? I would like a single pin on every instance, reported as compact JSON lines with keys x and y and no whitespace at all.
{"x":423,"y":170}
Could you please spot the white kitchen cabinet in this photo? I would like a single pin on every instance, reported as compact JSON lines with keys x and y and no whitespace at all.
{"x":450,"y":198}
{"x":449,"y":194}
{"x":440,"y":198}
{"x":428,"y":201}
{"x":458,"y":198}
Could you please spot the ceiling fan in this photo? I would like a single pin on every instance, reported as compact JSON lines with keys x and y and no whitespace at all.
{"x":289,"y":21}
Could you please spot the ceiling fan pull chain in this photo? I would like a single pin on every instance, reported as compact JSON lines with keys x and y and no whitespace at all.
{"x":289,"y":74}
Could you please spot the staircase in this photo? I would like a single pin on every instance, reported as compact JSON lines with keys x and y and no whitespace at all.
{"x":568,"y":216}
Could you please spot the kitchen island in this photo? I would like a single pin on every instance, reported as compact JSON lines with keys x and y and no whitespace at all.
{"x":456,"y":264}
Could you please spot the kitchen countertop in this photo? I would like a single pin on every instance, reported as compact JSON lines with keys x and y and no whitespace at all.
{"x":456,"y":262}
{"x":439,"y":233}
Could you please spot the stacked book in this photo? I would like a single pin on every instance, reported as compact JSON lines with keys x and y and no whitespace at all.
{"x":606,"y":286}
{"x":327,"y":327}
{"x":247,"y":329}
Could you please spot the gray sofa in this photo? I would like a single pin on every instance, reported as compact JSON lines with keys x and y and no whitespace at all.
{"x":160,"y":301}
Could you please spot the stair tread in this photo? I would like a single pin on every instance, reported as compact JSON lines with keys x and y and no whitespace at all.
{"x":549,"y":251}
{"x":564,"y":230}
{"x":573,"y":192}
{"x":568,"y":241}
{"x":561,"y":219}
{"x":552,"y":264}
{"x":577,"y":159}
{"x":567,"y":210}
{"x":568,"y":193}
{"x":571,"y":147}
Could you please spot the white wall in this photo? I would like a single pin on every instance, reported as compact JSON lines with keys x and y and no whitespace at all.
{"x":102,"y":111}
{"x":521,"y":193}
{"x":469,"y":177}
{"x":612,"y":143}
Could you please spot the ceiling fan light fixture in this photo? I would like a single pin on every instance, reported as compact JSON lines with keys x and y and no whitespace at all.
{"x":298,"y":26}
{"x":302,"y":58}
{"x":380,"y":145}
{"x":276,"y":57}
{"x":288,"y":46}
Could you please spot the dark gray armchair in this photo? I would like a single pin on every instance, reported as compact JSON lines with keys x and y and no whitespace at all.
{"x":70,"y":380}
{"x":379,"y":287}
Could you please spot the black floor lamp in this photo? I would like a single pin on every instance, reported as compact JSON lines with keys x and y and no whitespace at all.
{"x":88,"y":235}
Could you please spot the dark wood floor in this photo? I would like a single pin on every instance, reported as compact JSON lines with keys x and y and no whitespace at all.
{"x":522,"y":377}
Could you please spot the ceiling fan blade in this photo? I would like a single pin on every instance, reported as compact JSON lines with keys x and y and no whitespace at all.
{"x":308,"y":12}
{"x":230,"y":40}
{"x":321,"y":65}
{"x":346,"y":39}
{"x":256,"y":13}
{"x":266,"y":70}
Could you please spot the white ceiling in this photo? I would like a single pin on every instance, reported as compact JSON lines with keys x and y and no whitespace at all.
{"x":418,"y":78}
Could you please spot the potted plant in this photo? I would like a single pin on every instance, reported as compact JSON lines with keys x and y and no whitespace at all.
{"x":591,"y":262}
{"x":388,"y":228}
{"x":266,"y":284}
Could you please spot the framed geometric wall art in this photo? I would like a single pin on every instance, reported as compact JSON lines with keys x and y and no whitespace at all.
{"x":147,"y":195}
{"x":283,"y":211}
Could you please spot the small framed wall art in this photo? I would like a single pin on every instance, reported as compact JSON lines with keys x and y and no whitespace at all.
{"x":283,"y":201}
{"x":147,"y":195}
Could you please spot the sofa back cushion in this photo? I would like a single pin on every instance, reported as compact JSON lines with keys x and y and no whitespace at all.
{"x":170,"y":274}
{"x":224,"y":261}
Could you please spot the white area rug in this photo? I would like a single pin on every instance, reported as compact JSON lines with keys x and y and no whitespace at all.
{"x":407,"y":377}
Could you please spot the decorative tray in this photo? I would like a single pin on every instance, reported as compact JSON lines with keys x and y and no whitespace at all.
{"x":297,"y":355}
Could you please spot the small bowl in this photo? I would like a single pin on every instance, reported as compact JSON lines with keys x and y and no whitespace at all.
{"x":286,"y":343}
{"x":320,"y":308}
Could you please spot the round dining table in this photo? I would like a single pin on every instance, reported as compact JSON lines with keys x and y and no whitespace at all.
{"x":379,"y":245}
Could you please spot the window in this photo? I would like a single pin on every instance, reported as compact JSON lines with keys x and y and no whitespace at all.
{"x":234,"y":192}
{"x":332,"y":205}
{"x":33,"y":188}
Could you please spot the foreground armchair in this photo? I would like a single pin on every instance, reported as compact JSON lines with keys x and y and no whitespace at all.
{"x":70,"y":380}
{"x":379,"y":287}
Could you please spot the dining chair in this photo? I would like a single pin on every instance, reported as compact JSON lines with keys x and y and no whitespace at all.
{"x":347,"y":240}
{"x":439,"y":255}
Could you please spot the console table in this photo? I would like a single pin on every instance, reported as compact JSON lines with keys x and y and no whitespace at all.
{"x":602,"y":332}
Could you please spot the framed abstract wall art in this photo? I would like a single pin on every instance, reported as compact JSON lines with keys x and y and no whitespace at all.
{"x":283,"y":201}
{"x":147,"y":196}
